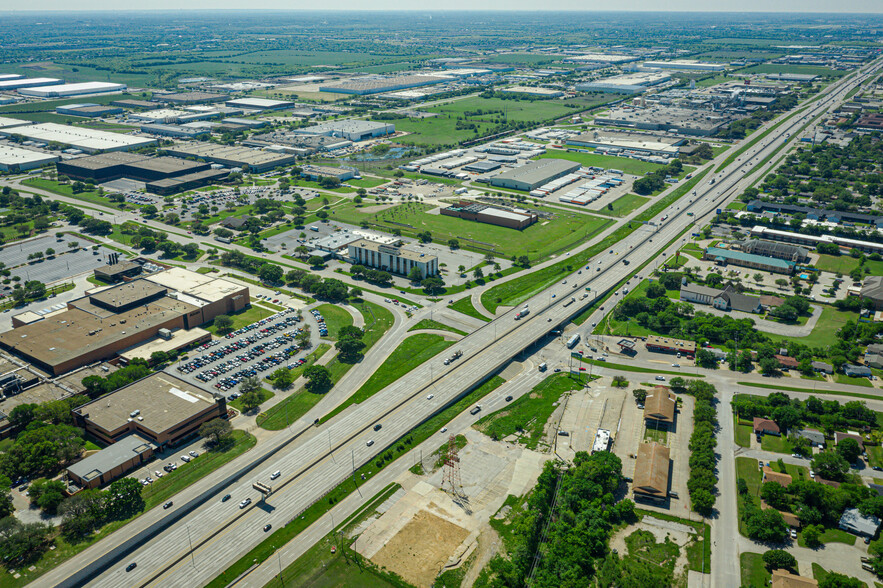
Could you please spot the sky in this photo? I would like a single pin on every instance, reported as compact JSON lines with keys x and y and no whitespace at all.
{"x":797,"y":6}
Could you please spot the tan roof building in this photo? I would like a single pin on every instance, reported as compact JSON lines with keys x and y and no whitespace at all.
{"x":660,"y":405}
{"x":785,"y":579}
{"x":766,"y":426}
{"x":770,"y":475}
{"x":651,"y":471}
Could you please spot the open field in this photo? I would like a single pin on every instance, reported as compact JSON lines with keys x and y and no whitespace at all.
{"x":623,"y":205}
{"x":754,"y":572}
{"x":429,"y":324}
{"x":629,"y":166}
{"x":335,"y":318}
{"x":843,"y":264}
{"x":828,"y":324}
{"x":464,"y":305}
{"x":537,"y":241}
{"x":250,"y":314}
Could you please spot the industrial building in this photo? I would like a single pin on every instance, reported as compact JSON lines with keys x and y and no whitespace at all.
{"x":613,"y":142}
{"x":88,"y":110}
{"x":111,"y":463}
{"x":483,"y":213}
{"x":316,"y":172}
{"x":482,"y":167}
{"x":232,"y":156}
{"x":299,"y":145}
{"x":177,"y":184}
{"x":380,"y":84}
{"x":534,"y":174}
{"x":191,"y":97}
{"x":631,"y":83}
{"x":392,"y":258}
{"x":66,"y":90}
{"x":351,"y":130}
{"x":89,"y":140}
{"x":17,"y":159}
{"x":7,"y":77}
{"x":259,"y":104}
{"x":600,"y":58}
{"x":111,"y":166}
{"x":760,"y":262}
{"x":28,"y":83}
{"x":10,"y":123}
{"x":136,"y":104}
{"x":792,"y":77}
{"x":102,"y":324}
{"x":652,"y":472}
{"x":534,"y":91}
{"x":161,"y":408}
{"x":686,"y":65}
{"x":178,"y":131}
{"x":684,"y":121}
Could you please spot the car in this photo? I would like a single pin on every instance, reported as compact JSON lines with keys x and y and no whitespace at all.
{"x":267,"y":527}
{"x":378,"y":426}
{"x":508,"y":399}
{"x":275,"y":475}
{"x":812,"y":474}
{"x":793,"y":534}
{"x":676,"y":365}
{"x":593,"y":324}
{"x":167,"y":504}
{"x":430,"y":396}
{"x":194,"y":454}
{"x":877,"y":469}
{"x":660,"y":378}
{"x":640,"y":407}
{"x":131,"y":566}
{"x":159,"y":474}
{"x":245,"y":503}
{"x":797,"y":455}
{"x":184,"y":458}
{"x":444,"y":429}
{"x":226,"y":498}
{"x":556,"y":370}
{"x":370,"y":442}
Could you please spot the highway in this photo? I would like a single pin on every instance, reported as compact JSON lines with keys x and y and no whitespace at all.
{"x":323,"y":457}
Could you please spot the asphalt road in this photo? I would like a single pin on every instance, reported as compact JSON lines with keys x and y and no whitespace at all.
{"x":324,"y":457}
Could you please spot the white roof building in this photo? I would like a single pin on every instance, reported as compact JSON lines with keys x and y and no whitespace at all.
{"x":17,"y":159}
{"x":87,"y":139}
{"x":81,"y":89}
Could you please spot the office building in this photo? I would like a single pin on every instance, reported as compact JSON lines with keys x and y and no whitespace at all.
{"x":115,"y":461}
{"x":316,"y":172}
{"x":191,"y":181}
{"x":393,"y":258}
{"x":651,"y":472}
{"x":534,"y":174}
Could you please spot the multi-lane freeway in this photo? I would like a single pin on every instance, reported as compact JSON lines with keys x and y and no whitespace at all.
{"x":208,"y":535}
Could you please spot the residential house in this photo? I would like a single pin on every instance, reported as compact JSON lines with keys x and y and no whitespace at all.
{"x":855,"y":522}
{"x":822,"y":367}
{"x":770,"y":475}
{"x":872,"y":289}
{"x":785,"y":579}
{"x":817,"y":438}
{"x":874,"y":360}
{"x":236,"y":223}
{"x":766,"y":427}
{"x":876,"y":488}
{"x":651,"y":472}
{"x":856,"y":371}
{"x":838,"y":437}
{"x":786,"y":362}
{"x":769,"y":302}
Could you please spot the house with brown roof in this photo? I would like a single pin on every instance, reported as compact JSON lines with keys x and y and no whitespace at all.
{"x":786,"y":362}
{"x":659,"y":406}
{"x":769,"y":302}
{"x":766,"y":427}
{"x":838,"y":437}
{"x":651,"y":472}
{"x":785,"y":579}
{"x":789,"y":517}
{"x":770,"y":475}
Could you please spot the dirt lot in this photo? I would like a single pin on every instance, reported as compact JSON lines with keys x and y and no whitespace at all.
{"x":677,"y":533}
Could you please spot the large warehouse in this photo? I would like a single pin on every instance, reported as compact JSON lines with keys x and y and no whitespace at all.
{"x":534,"y":174}
{"x":631,"y":83}
{"x":483,"y":213}
{"x":28,"y":83}
{"x":380,"y":84}
{"x":100,"y":325}
{"x":259,"y":104}
{"x":89,"y":140}
{"x":167,"y":409}
{"x":232,"y":156}
{"x":352,"y":130}
{"x":111,"y":166}
{"x":82,"y":89}
{"x":686,"y":121}
{"x":653,"y":144}
{"x":16,"y":159}
{"x":686,"y":65}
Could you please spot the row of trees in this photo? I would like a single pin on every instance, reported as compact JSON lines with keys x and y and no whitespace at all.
{"x":97,"y":386}
{"x":701,"y":483}
{"x":792,"y":413}
{"x":655,"y":180}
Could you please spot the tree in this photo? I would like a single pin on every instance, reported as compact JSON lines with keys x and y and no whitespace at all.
{"x":47,"y":494}
{"x":764,"y":525}
{"x":477,"y":273}
{"x":270,"y":273}
{"x":453,"y":244}
{"x":702,"y":500}
{"x":837,"y":580}
{"x":849,"y":450}
{"x":282,"y":378}
{"x":22,"y":543}
{"x":124,"y":498}
{"x":778,"y":559}
{"x":415,"y":275}
{"x":620,"y":382}
{"x":22,"y":415}
{"x":830,"y":465}
{"x":655,"y":290}
{"x":811,"y":535}
{"x":640,"y":395}
{"x":316,"y":261}
{"x":216,"y":431}
{"x":252,"y":398}
{"x":774,"y":494}
{"x":318,"y":378}
{"x":781,"y":283}
{"x":433,"y":285}
{"x":223,"y":324}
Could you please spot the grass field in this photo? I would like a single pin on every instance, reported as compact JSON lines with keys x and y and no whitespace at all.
{"x":776,"y":444}
{"x":658,"y":435}
{"x":429,"y":324}
{"x":844,"y":379}
{"x":753,"y":571}
{"x":830,"y":536}
{"x":742,"y":432}
{"x":537,"y":241}
{"x":623,"y":205}
{"x":843,"y":264}
{"x":335,"y":318}
{"x":526,"y":417}
{"x":628,"y":165}
{"x":820,"y":573}
{"x":410,"y":353}
{"x":464,"y":305}
{"x":250,"y":314}
{"x":66,"y":190}
{"x":828,"y":324}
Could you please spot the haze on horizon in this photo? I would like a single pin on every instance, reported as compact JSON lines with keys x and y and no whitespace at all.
{"x":739,"y":6}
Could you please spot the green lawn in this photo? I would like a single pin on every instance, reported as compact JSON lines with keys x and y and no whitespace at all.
{"x":843,"y":264}
{"x":248,"y":315}
{"x":830,"y":536}
{"x":844,"y":379}
{"x":265,"y":396}
{"x":538,"y":241}
{"x":829,"y":323}
{"x":410,"y":353}
{"x":623,"y":205}
{"x":875,"y":455}
{"x":526,"y":417}
{"x":658,"y":435}
{"x":626,"y":164}
{"x":464,"y":305}
{"x":66,"y":190}
{"x":429,"y":324}
{"x":776,"y":444}
{"x":335,"y":318}
{"x":743,"y":433}
{"x":820,"y":573}
{"x":753,"y":570}
{"x":810,"y":390}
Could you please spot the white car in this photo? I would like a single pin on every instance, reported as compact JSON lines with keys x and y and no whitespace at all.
{"x":275,"y":475}
{"x":430,"y":396}
{"x":675,"y":365}
{"x":660,"y":378}
{"x":184,"y":458}
{"x":194,"y":454}
{"x":370,"y":442}
{"x":245,"y":503}
{"x":444,"y":429}
{"x":159,"y":474}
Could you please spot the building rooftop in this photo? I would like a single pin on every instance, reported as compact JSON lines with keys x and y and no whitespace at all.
{"x":651,"y":470}
{"x":766,"y":425}
{"x":127,"y":294}
{"x":16,"y":156}
{"x":770,"y":475}
{"x":162,"y":400}
{"x":855,"y":521}
{"x":259,"y":103}
{"x":785,"y":579}
{"x":229,"y":153}
{"x":538,"y":171}
{"x":345,"y":126}
{"x":204,"y":287}
{"x":660,"y":405}
{"x":180,"y":338}
{"x":748,"y":257}
{"x":111,"y":457}
{"x":89,"y":139}
{"x":396,"y":250}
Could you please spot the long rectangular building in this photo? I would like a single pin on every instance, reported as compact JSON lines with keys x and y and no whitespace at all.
{"x":28,"y":83}
{"x":111,"y":166}
{"x":352,"y":130}
{"x":392,"y":258}
{"x":483,"y":213}
{"x":90,"y":140}
{"x":763,"y":263}
{"x":81,"y":89}
{"x":232,"y":156}
{"x":534,"y":174}
{"x":17,"y":159}
{"x":651,"y":472}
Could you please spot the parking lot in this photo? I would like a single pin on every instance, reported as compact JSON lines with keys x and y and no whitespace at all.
{"x":65,"y":263}
{"x":254,"y":350}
